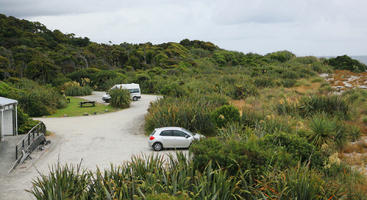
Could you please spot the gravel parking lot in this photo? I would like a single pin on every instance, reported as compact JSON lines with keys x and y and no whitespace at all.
{"x":93,"y":140}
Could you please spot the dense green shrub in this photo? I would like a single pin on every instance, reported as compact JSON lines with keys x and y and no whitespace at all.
{"x":347,"y":63}
{"x":224,"y":115}
{"x":25,"y":123}
{"x":34,"y":99}
{"x":232,"y":155}
{"x":120,"y":98}
{"x":192,"y":113}
{"x":281,"y":56}
{"x":173,"y":89}
{"x":298,"y":147}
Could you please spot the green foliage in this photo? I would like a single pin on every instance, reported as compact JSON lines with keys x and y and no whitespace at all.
{"x":251,"y":118}
{"x":347,"y":63}
{"x":264,"y":82}
{"x":296,"y":183}
{"x":120,"y":98}
{"x":224,"y":115}
{"x":298,"y":147}
{"x":25,"y":123}
{"x":34,"y":99}
{"x":141,"y":178}
{"x":173,"y":89}
{"x":74,"y":89}
{"x":281,"y":56}
{"x":63,"y":182}
{"x":192,"y":113}
{"x":231,"y":155}
{"x":245,"y":90}
{"x":333,"y":105}
{"x":329,"y":131}
{"x":288,"y":83}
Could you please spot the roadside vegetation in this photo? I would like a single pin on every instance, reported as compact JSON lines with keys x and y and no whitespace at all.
{"x":275,"y":129}
{"x":120,"y":98}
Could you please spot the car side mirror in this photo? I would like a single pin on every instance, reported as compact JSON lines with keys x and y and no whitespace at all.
{"x":187,"y":136}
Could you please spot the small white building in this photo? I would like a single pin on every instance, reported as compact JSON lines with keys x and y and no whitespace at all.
{"x":8,"y":117}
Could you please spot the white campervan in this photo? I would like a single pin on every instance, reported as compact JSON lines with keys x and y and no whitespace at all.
{"x":133,"y":88}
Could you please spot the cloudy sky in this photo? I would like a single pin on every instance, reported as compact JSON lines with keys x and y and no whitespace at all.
{"x":305,"y":27}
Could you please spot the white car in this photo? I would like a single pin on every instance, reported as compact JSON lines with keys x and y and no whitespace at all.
{"x":172,"y":137}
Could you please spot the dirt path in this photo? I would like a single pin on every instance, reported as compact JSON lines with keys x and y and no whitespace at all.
{"x":96,"y":140}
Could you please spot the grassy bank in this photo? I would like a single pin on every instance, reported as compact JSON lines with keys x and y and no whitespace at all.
{"x":73,"y":109}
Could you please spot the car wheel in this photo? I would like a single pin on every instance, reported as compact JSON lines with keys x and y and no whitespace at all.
{"x":135,"y":98}
{"x":157,"y":146}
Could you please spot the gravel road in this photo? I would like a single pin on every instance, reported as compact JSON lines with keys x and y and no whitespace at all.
{"x":93,"y":140}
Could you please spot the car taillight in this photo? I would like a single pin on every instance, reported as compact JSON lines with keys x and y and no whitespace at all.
{"x":151,"y":138}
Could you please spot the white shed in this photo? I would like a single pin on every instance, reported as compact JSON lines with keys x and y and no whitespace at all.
{"x":8,"y":117}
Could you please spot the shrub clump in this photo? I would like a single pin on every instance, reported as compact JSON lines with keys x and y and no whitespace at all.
{"x":224,"y":115}
{"x":73,"y":88}
{"x":232,"y":155}
{"x":193,"y":113}
{"x":34,"y":99}
{"x":120,"y":98}
{"x":347,"y":63}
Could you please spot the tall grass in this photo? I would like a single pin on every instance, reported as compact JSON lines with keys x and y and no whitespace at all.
{"x":78,"y":91}
{"x":332,"y":105}
{"x":193,"y":113}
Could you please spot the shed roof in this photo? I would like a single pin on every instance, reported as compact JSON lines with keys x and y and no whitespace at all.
{"x":5,"y":101}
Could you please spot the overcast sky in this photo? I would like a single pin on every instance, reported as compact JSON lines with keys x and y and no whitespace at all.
{"x":305,"y":27}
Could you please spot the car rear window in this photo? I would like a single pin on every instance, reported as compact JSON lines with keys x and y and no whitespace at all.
{"x":153,"y":132}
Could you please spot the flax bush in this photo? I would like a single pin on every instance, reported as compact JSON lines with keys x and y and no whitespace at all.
{"x":141,"y":178}
{"x":120,"y":98}
{"x":333,"y":105}
{"x":176,"y":177}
